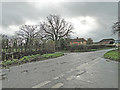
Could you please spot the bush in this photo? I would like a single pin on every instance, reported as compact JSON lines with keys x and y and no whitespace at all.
{"x":78,"y":47}
{"x":28,"y":58}
{"x":10,"y":62}
{"x":88,"y":47}
{"x":49,"y":46}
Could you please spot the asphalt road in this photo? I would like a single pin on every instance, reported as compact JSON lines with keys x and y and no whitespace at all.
{"x":73,"y":70}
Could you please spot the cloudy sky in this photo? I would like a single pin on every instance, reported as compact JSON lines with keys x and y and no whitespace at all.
{"x":90,"y":19}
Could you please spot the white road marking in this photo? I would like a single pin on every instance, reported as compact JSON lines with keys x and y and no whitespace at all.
{"x":56,"y":78}
{"x":58,"y":85}
{"x":71,"y":77}
{"x":90,"y":63}
{"x":61,"y":75}
{"x":80,"y":78}
{"x":41,"y":84}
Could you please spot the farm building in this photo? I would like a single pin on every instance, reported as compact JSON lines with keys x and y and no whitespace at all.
{"x":107,"y":41}
{"x":78,"y":41}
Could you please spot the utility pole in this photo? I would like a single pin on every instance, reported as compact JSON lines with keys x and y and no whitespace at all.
{"x":119,"y":25}
{"x":119,"y":43}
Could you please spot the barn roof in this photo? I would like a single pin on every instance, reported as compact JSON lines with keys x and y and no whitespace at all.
{"x":110,"y":39}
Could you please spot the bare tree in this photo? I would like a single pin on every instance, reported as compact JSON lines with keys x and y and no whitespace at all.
{"x":56,"y":28}
{"x":116,"y":29}
{"x":89,"y":41}
{"x":29,"y":33}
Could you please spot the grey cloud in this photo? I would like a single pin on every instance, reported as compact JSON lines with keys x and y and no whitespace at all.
{"x":15,"y":13}
{"x":0,"y":14}
{"x":106,"y":13}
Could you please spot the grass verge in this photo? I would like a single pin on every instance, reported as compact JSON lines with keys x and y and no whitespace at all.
{"x":54,"y":55}
{"x":113,"y":55}
{"x":31,"y":58}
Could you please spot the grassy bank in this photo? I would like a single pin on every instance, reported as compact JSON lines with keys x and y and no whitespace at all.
{"x":113,"y":55}
{"x":31,"y":58}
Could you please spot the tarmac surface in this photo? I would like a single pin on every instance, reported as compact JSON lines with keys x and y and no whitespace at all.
{"x":73,"y":70}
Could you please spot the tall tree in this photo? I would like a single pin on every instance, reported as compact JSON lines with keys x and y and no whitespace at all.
{"x":56,"y":28}
{"x":116,"y":29}
{"x":29,"y":33}
{"x":89,"y":41}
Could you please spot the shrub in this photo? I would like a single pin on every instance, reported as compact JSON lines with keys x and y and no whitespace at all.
{"x":10,"y":62}
{"x":88,"y":47}
{"x":50,"y":46}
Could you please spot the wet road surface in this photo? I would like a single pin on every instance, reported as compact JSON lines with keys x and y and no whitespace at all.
{"x":73,"y":70}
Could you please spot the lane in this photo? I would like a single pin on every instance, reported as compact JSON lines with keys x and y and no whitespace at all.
{"x":90,"y":76}
{"x":101,"y":74}
{"x":32,"y":74}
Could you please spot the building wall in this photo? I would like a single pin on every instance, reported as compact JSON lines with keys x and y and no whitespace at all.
{"x":78,"y":43}
{"x":105,"y":42}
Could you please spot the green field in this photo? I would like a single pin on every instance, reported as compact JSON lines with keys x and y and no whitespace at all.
{"x":113,"y":55}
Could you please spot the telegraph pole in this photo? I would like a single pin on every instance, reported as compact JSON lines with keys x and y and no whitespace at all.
{"x":119,"y":25}
{"x":119,"y":45}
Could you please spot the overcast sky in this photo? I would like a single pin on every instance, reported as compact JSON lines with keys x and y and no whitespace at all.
{"x":90,"y":19}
